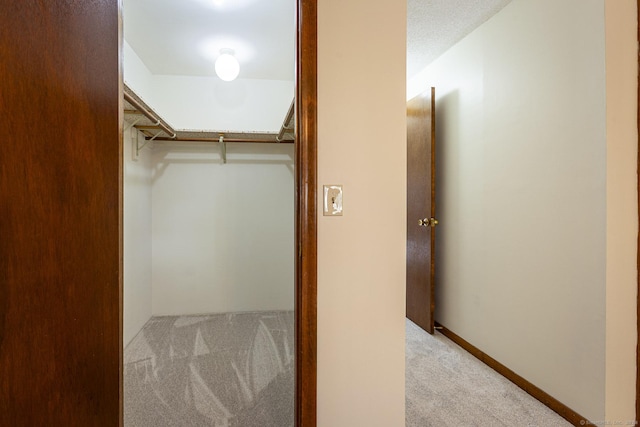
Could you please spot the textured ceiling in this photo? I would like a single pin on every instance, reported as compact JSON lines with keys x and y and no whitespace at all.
{"x":433,"y":26}
{"x":183,"y":37}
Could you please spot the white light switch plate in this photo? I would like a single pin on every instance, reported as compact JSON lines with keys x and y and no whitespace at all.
{"x":332,"y":200}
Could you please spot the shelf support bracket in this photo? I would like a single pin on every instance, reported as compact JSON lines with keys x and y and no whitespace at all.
{"x":223,"y":149}
{"x":146,"y":141}
{"x":129,"y":126}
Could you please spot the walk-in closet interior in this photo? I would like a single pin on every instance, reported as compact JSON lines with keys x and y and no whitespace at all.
{"x":208,"y":213}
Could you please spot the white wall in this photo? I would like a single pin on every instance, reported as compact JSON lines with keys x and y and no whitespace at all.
{"x":137,"y":237}
{"x":137,"y":76}
{"x":521,"y":145}
{"x":208,"y":103}
{"x":361,"y":255}
{"x":223,"y":234}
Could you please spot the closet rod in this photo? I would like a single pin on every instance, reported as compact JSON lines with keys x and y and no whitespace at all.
{"x":263,"y":141}
{"x":150,"y":116}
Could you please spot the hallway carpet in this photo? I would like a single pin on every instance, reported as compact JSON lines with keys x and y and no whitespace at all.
{"x":446,"y":386}
{"x":222,"y":370}
{"x":237,"y":370}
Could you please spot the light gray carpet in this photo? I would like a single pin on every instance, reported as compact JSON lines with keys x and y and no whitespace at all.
{"x":223,"y":370}
{"x":237,"y":370}
{"x":446,"y":386}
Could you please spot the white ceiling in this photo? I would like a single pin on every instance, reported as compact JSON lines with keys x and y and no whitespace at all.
{"x":433,"y":26}
{"x":183,"y":37}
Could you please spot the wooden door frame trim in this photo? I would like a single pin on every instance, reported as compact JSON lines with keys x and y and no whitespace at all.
{"x":638,"y":246}
{"x":306,"y":213}
{"x":121,"y":216}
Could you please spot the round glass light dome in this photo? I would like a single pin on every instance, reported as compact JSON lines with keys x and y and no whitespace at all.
{"x":227,"y":66}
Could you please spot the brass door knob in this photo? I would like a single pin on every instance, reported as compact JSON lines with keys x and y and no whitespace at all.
{"x":428,"y":222}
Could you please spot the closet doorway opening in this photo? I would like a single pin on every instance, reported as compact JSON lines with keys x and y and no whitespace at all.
{"x":214,"y":224}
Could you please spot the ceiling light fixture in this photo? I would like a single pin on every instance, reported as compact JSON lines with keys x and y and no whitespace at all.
{"x":227,"y":66}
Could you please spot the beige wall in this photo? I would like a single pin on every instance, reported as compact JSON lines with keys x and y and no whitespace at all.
{"x":361,"y":255}
{"x":537,"y":202}
{"x":622,"y":209}
{"x":521,"y":141}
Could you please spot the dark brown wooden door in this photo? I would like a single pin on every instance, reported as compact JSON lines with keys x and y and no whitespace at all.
{"x":421,"y":209}
{"x":60,"y":338}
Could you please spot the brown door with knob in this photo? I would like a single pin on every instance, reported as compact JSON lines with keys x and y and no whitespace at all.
{"x":60,"y":340}
{"x":421,"y":212}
